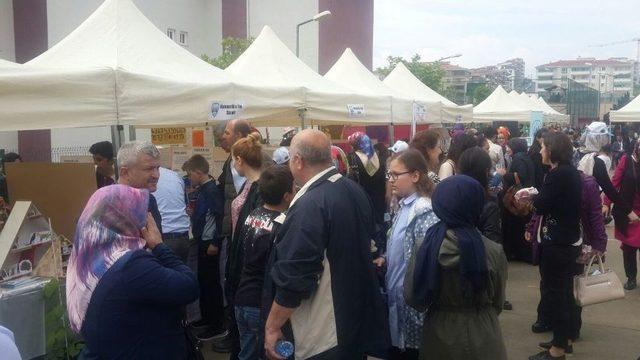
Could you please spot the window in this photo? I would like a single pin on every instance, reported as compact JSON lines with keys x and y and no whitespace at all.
{"x":183,"y":38}
{"x":171,"y":33}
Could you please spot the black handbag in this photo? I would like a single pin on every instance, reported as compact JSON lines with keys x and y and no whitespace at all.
{"x":194,"y":346}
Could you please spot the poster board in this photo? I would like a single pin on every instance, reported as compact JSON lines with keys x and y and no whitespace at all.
{"x":76,"y":159}
{"x":60,"y":190}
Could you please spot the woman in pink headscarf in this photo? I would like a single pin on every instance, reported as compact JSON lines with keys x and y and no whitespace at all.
{"x":124,"y":300}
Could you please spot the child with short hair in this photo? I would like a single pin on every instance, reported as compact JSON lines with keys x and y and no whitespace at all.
{"x":277,"y":190}
{"x":205,"y":222}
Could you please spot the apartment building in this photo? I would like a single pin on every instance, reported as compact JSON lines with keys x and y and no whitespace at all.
{"x":612,"y":77}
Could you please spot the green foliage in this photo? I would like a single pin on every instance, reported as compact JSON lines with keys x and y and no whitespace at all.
{"x":232,"y":48}
{"x":431,"y":74}
{"x":480,"y":93}
{"x":61,"y":341}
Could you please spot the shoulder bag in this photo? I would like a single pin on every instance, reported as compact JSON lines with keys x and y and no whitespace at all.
{"x":589,"y":289}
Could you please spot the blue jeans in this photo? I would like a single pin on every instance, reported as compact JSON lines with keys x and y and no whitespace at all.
{"x":248,"y":319}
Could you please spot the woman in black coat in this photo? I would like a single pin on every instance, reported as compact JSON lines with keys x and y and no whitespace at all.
{"x":559,"y":202}
{"x":522,"y":171}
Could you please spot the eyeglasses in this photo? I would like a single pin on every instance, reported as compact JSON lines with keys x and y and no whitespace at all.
{"x":394,"y":176}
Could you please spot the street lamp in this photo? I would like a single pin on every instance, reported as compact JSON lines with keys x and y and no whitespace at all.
{"x":317,"y":17}
{"x":449,"y":57}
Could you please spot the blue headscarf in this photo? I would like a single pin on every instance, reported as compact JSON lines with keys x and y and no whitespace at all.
{"x":362,"y":142}
{"x":458,"y":202}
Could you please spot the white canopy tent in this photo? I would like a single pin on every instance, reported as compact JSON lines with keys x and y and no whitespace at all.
{"x":5,"y":64}
{"x":552,"y":114}
{"x":500,"y":106}
{"x":268,"y":61}
{"x":349,"y":72}
{"x":628,"y":113}
{"x":118,"y":68}
{"x":439,"y":109}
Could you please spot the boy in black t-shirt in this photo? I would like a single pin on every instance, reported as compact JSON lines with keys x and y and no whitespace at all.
{"x":277,"y":191}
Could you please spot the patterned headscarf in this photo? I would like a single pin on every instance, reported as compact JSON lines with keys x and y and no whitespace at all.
{"x":339,"y":159}
{"x":504,"y":132}
{"x":108,"y":228}
{"x":360,"y":141}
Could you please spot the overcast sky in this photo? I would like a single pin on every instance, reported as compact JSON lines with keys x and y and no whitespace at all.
{"x":486,"y":32}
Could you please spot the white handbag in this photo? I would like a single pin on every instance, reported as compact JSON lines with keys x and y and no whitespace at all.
{"x":590,"y":289}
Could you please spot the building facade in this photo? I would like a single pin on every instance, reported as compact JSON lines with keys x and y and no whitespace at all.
{"x":613,"y":78}
{"x":29,"y":27}
{"x":456,"y":79}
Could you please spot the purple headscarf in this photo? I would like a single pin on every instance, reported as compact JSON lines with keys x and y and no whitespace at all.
{"x":108,"y":228}
{"x":458,"y":129}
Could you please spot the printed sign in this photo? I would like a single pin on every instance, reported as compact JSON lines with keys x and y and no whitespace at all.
{"x":356,"y":110}
{"x":169,"y":136}
{"x":179,"y":155}
{"x":224,"y":111}
{"x":419,"y":112}
{"x":201,"y":137}
{"x":536,"y":124}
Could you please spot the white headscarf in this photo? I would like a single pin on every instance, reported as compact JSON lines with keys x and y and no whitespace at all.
{"x":596,"y":136}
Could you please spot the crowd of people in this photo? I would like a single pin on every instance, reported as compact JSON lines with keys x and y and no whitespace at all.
{"x":394,"y":252}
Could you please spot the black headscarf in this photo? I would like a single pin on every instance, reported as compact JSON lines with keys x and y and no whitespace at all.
{"x":458,"y":202}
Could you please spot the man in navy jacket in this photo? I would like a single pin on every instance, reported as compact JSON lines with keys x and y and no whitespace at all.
{"x":325,"y":283}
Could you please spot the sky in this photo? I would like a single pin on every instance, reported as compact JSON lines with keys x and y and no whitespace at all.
{"x":487,"y":32}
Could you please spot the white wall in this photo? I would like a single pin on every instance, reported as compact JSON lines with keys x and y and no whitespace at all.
{"x":201,"y":19}
{"x":282,"y":16}
{"x":7,"y":43}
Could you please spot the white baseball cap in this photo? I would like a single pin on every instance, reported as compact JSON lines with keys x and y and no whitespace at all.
{"x":281,"y":155}
{"x":399,"y":146}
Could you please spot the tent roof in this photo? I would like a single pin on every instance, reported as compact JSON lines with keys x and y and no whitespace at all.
{"x":118,"y":68}
{"x":628,"y":113}
{"x":118,"y":36}
{"x":268,"y":61}
{"x":8,"y":64}
{"x":349,"y":72}
{"x":402,"y":80}
{"x":438,"y":106}
{"x":501,"y":106}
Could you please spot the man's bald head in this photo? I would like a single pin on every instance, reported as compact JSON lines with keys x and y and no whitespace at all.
{"x":313,"y":146}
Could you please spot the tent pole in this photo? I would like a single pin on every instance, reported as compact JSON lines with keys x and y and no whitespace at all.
{"x":301,"y":114}
{"x":392,"y":134}
{"x":116,"y":141}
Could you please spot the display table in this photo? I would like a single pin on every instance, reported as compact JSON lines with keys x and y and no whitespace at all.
{"x":22,"y":311}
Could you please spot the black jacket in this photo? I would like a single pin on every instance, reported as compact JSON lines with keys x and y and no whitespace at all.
{"x":560,"y":202}
{"x":235,"y":256}
{"x":523,"y":165}
{"x":490,"y":224}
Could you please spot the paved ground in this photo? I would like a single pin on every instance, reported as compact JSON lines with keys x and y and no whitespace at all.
{"x":610,"y":331}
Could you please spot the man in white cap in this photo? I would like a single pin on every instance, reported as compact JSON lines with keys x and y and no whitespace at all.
{"x":281,"y":156}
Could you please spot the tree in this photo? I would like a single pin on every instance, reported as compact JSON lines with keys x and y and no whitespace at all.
{"x":431,"y":74}
{"x":480,"y":93}
{"x":232,"y":48}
